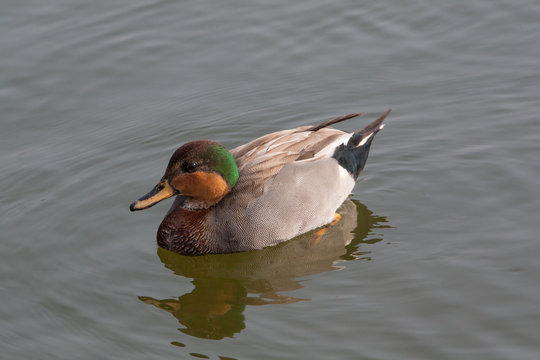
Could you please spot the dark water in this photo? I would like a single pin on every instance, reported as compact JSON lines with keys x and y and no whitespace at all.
{"x":436,"y":258}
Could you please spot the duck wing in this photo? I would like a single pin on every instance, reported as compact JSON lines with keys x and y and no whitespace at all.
{"x":262,"y":159}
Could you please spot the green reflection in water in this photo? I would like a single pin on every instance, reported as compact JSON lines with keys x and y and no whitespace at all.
{"x":225,"y":284}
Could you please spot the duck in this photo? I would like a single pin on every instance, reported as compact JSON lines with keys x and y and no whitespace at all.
{"x":259,"y":194}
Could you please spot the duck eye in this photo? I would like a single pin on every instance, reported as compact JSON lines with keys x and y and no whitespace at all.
{"x":189,"y":166}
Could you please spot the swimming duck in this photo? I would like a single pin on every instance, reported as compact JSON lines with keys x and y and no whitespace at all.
{"x":259,"y":194}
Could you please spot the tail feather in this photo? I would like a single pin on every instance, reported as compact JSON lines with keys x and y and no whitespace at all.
{"x":353,"y":156}
{"x":361,"y":136}
{"x":334,"y":121}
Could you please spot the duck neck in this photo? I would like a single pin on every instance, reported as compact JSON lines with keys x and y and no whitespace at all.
{"x":184,"y":231}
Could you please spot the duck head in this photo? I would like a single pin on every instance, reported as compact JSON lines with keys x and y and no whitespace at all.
{"x":201,"y":171}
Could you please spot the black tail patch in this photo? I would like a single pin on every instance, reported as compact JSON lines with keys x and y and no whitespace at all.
{"x":353,"y":156}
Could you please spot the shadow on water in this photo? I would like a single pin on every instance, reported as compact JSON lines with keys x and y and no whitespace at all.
{"x":226,"y":284}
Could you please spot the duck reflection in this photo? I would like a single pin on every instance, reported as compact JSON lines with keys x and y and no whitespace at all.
{"x":225,"y":284}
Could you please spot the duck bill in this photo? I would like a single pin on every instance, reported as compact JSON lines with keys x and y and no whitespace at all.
{"x":163,"y":190}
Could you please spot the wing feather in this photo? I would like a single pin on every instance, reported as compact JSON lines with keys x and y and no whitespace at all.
{"x":263,"y":158}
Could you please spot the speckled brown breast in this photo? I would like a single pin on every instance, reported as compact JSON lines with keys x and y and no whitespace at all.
{"x":184,"y":231}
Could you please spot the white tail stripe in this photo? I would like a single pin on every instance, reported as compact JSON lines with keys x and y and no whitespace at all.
{"x":364,"y":140}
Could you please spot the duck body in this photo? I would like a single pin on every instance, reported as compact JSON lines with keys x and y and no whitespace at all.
{"x":259,"y":194}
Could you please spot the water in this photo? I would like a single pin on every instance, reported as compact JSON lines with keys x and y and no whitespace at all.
{"x":442,"y":255}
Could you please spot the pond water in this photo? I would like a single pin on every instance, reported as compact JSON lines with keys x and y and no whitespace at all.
{"x":437,"y":255}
